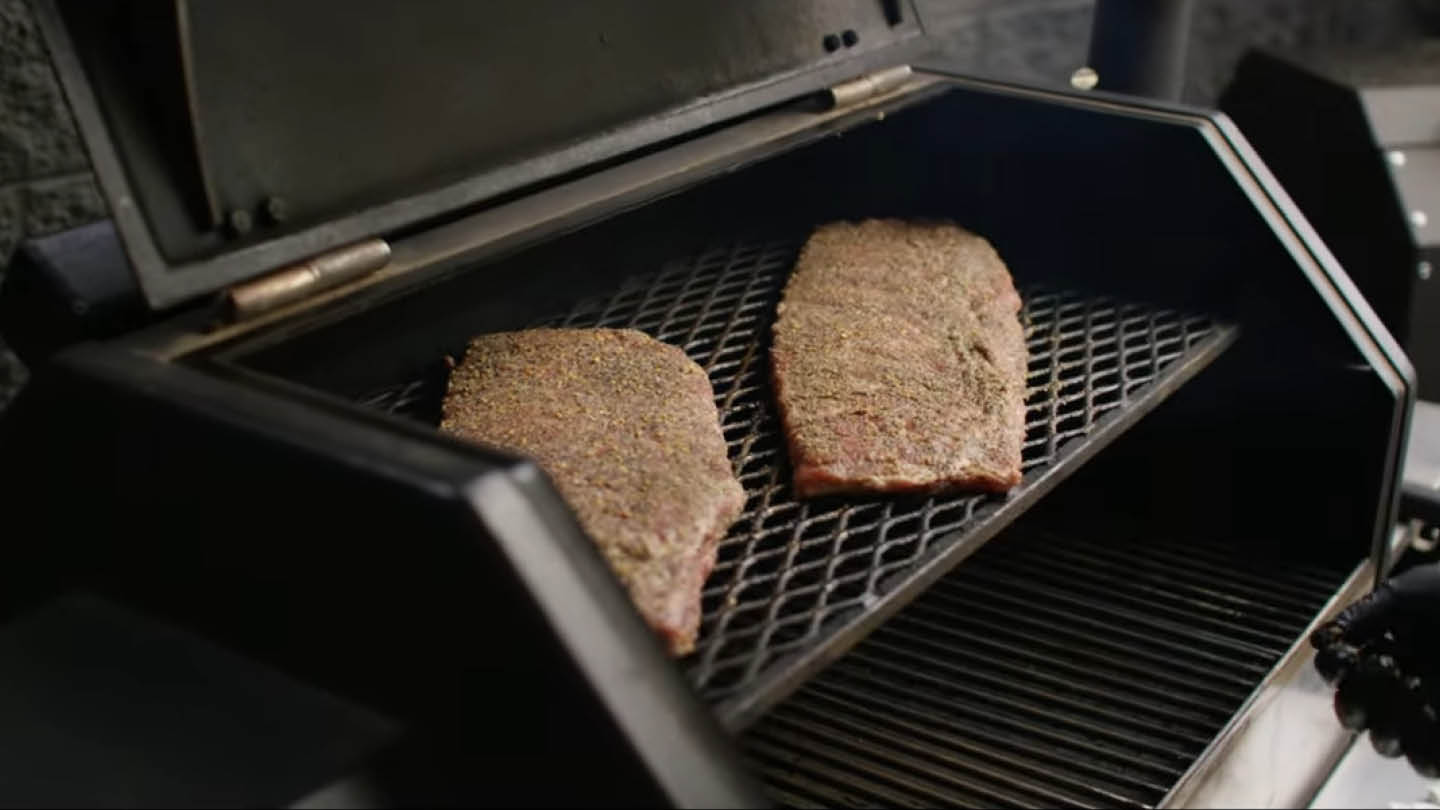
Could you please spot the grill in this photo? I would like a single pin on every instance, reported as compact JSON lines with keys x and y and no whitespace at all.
{"x":797,"y":581}
{"x":1020,"y":649}
{"x":1047,"y":670}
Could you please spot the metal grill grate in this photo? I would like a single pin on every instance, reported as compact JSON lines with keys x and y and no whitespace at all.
{"x":1045,"y":671}
{"x":798,"y":581}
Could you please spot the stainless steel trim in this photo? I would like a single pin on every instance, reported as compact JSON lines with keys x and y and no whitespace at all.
{"x":1281,"y":746}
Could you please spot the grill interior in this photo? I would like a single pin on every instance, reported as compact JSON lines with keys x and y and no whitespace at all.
{"x":1044,"y":670}
{"x":1047,"y":670}
{"x":797,"y":581}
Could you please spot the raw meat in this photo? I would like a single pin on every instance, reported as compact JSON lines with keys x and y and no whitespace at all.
{"x":899,"y":362}
{"x":626,"y":428}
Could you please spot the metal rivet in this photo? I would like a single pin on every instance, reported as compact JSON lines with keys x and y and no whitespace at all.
{"x":849,"y":38}
{"x":1424,"y":269}
{"x":1084,"y":79}
{"x":831,"y":42}
{"x":240,"y":222}
{"x":276,"y":209}
{"x":1396,"y":158}
{"x":1419,"y":219}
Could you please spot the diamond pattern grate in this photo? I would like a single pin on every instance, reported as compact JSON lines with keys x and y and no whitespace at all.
{"x":795,"y":578}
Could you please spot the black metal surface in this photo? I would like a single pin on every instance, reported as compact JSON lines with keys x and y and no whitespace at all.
{"x":1319,"y":130}
{"x":797,"y":582}
{"x":364,"y":118}
{"x":66,"y":287}
{"x":1138,"y":46}
{"x":1048,"y":670}
{"x":107,"y":707}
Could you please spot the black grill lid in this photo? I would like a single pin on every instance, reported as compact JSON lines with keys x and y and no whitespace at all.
{"x":234,"y":138}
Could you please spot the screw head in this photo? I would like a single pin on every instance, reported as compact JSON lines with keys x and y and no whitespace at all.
{"x":1419,"y":219}
{"x":849,"y":38}
{"x":1084,"y":78}
{"x":831,"y":43}
{"x":1396,"y":158}
{"x":1424,"y":270}
{"x":276,"y":209}
{"x":240,"y":222}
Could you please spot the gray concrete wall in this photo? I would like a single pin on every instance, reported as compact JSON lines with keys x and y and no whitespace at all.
{"x":45,"y":184}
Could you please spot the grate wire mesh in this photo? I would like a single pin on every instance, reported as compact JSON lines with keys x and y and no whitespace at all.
{"x":792,"y":575}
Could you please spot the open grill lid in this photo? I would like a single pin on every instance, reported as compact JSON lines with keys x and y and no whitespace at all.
{"x":234,"y":139}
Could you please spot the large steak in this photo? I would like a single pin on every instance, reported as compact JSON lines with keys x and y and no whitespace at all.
{"x":899,"y":361}
{"x":626,"y":428}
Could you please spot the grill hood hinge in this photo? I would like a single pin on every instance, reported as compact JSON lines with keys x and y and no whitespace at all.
{"x":303,"y":279}
{"x":297,"y":282}
{"x":866,"y":86}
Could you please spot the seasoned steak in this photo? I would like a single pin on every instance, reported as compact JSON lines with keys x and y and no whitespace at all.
{"x":626,"y":428}
{"x":899,"y":361}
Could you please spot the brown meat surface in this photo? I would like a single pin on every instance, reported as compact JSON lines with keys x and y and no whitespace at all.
{"x":899,"y":361}
{"x":626,"y":428}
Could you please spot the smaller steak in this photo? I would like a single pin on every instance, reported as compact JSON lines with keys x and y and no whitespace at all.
{"x":899,"y":362}
{"x":626,"y":428}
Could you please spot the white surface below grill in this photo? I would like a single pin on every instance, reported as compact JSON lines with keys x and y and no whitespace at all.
{"x":1366,"y":779}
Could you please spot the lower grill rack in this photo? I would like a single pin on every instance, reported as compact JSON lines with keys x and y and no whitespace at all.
{"x":797,"y":582}
{"x":1045,"y":671}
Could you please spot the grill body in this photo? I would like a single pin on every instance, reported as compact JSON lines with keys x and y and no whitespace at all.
{"x":968,"y":650}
